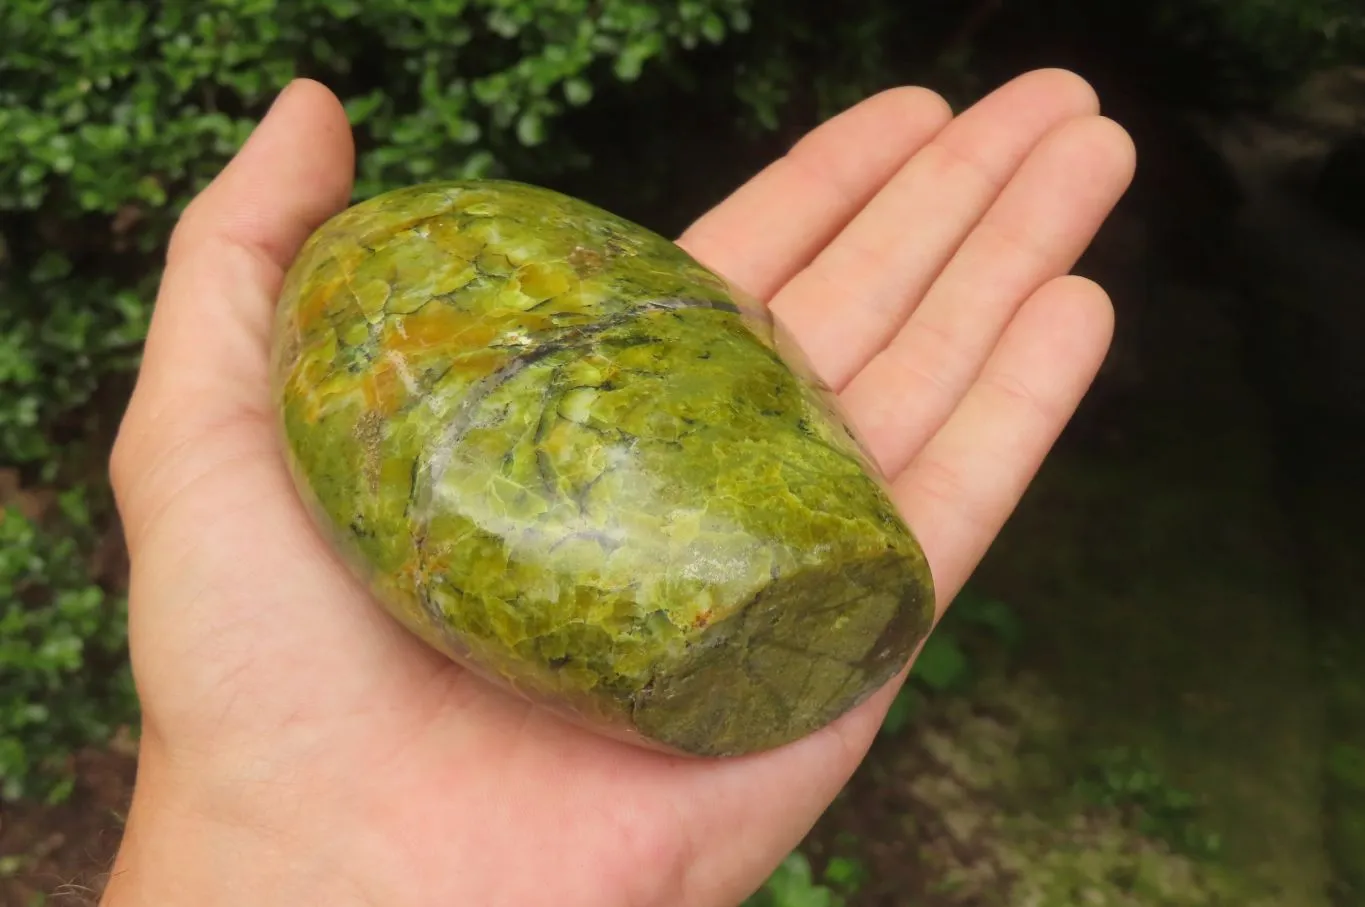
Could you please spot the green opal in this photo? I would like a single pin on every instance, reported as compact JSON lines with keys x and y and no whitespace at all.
{"x":566,"y":455}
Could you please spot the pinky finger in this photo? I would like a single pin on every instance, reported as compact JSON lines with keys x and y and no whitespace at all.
{"x":963,"y":485}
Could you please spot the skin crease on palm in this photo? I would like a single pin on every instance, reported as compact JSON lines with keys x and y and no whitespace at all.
{"x":299,"y":748}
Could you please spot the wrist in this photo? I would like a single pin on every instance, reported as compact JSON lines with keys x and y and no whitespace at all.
{"x":184,"y":844}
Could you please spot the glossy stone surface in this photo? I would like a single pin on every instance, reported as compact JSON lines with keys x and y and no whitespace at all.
{"x":571,"y":458}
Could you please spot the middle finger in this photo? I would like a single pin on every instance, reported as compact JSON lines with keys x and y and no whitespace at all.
{"x":856,"y":294}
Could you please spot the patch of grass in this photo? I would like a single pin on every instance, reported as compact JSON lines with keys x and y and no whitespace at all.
{"x":1164,"y":609}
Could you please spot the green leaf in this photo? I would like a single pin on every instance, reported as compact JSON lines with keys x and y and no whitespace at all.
{"x":942,"y":665}
{"x":713,"y":28}
{"x":61,"y":791}
{"x":846,"y":874}
{"x":793,"y":885}
{"x":360,"y":109}
{"x":577,"y":92}
{"x":530,"y":129}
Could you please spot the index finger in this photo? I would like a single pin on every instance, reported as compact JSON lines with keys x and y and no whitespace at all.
{"x":776,"y":223}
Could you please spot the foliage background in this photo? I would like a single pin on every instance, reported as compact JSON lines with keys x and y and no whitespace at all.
{"x":113,"y":113}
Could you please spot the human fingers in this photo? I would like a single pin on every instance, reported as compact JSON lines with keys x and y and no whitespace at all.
{"x":1037,"y":229}
{"x":772,"y":226}
{"x":963,"y":485}
{"x":860,"y":289}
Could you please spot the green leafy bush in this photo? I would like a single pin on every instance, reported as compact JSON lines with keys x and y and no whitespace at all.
{"x":113,"y":113}
{"x":64,"y":682}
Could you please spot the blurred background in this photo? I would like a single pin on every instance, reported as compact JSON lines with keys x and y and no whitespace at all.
{"x":1153,"y":691}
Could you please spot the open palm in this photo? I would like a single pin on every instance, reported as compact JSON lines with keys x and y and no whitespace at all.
{"x":300,"y":748}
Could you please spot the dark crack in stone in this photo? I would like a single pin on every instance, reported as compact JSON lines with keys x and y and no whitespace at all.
{"x":571,"y":458}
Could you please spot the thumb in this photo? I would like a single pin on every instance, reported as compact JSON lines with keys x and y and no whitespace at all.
{"x":206,"y":362}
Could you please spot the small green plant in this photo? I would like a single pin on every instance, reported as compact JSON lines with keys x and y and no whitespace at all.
{"x":1128,"y":781}
{"x":944,"y":665}
{"x":64,"y":682}
{"x":793,"y":884}
{"x":845,"y":874}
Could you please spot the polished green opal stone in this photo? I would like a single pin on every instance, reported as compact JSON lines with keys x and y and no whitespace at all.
{"x":571,"y":458}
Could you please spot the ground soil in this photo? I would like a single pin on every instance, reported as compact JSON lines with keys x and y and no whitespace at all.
{"x":59,"y":854}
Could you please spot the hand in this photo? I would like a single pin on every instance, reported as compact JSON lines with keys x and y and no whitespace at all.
{"x":299,"y":748}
